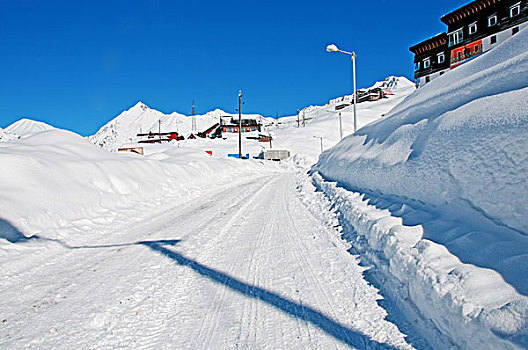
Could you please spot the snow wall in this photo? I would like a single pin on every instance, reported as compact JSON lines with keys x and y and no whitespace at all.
{"x":57,"y":178}
{"x":449,"y":167}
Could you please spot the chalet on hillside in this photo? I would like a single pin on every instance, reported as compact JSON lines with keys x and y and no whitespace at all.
{"x":371,"y":95}
{"x":481,"y":25}
{"x":430,"y":58}
{"x":472,"y":30}
{"x":229,"y":124}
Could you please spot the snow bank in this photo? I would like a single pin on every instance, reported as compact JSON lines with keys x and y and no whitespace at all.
{"x":450,"y":303}
{"x":449,"y":165}
{"x":57,"y":178}
{"x":464,"y":123}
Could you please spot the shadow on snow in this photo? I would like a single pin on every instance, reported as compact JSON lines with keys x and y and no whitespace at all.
{"x":303,"y":312}
{"x":294,"y":309}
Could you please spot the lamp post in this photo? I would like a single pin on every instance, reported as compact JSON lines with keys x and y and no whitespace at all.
{"x":319,"y":137}
{"x":240,"y":124}
{"x":333,"y":48}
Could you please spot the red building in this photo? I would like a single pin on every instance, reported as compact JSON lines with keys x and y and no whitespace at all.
{"x":157,"y":137}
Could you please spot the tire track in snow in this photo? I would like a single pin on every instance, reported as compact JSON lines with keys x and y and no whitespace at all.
{"x":210,"y":324}
{"x":251,"y":234}
{"x":297,"y":240}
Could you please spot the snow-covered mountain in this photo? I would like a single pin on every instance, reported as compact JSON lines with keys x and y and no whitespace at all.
{"x":143,"y":119}
{"x":391,"y":85}
{"x":7,"y":136}
{"x":27,"y":127}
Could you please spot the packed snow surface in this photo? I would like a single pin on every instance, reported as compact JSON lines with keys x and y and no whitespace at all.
{"x":175,"y":249}
{"x":439,"y":189}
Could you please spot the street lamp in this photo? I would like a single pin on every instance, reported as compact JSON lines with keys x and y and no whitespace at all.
{"x":240,"y":124}
{"x":333,"y":48}
{"x":319,"y":137}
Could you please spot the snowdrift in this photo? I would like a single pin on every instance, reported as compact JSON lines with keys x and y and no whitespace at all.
{"x":443,"y":213}
{"x":57,"y":178}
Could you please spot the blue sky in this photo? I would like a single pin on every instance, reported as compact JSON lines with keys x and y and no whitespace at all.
{"x":77,"y":64}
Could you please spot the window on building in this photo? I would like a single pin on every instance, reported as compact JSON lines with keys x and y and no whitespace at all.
{"x":456,"y":37}
{"x":515,"y":30}
{"x":427,"y":63}
{"x":441,"y":57}
{"x":417,"y":66}
{"x":492,"y":20}
{"x":473,"y":28}
{"x":493,"y":39}
{"x":515,"y":10}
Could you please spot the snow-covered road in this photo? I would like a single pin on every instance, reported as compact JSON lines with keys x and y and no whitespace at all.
{"x":242,"y":265}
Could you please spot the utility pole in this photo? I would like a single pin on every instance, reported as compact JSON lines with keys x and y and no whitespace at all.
{"x":159,"y":130}
{"x":355,"y":92}
{"x":340,"y":127}
{"x":304,"y":120}
{"x":240,"y":124}
{"x":298,"y":117}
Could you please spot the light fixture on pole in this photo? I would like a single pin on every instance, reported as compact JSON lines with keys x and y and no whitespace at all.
{"x":240,"y":124}
{"x":319,"y":137}
{"x":334,"y":48}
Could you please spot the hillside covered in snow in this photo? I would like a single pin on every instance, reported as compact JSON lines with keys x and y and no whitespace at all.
{"x":435,"y":196}
{"x":23,"y":128}
{"x":124,"y":128}
{"x":299,"y":134}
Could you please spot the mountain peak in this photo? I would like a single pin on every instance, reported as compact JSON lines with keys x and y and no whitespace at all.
{"x":140,"y":105}
{"x":27,"y":127}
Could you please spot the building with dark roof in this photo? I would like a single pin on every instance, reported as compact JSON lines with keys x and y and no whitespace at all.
{"x":472,"y":29}
{"x":431,"y":58}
